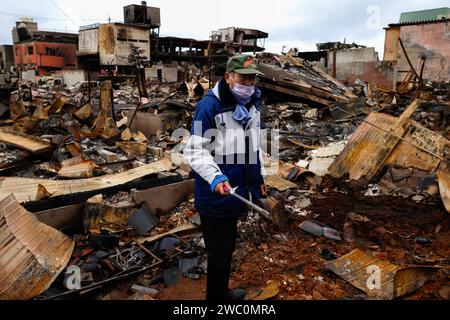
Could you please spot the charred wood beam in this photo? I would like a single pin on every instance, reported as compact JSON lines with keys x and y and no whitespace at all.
{"x":77,"y":198}
{"x":295,"y":93}
{"x":409,"y":61}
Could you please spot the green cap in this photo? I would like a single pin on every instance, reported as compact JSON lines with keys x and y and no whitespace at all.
{"x":243,"y":64}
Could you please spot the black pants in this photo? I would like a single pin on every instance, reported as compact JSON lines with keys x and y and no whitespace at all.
{"x":220,"y":241}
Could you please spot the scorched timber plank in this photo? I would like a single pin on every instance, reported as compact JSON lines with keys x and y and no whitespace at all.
{"x":25,"y":189}
{"x":23,"y":141}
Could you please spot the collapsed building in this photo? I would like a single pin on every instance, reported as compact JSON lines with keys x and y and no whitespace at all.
{"x":93,"y":178}
{"x":110,"y":45}
{"x":416,"y":46}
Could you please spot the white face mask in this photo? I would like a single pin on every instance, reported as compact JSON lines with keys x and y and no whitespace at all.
{"x":242,"y":91}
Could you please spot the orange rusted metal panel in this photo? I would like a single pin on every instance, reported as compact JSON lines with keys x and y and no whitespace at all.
{"x":373,"y":143}
{"x":32,"y":254}
{"x":367,"y":149}
{"x":423,"y":149}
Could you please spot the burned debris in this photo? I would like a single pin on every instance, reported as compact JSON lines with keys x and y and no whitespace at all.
{"x":96,"y":198}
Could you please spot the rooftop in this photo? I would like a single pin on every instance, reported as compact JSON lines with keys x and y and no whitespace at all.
{"x":425,"y":16}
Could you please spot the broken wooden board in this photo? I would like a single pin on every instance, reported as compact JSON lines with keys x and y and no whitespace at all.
{"x":64,"y":217}
{"x":277,"y":182}
{"x":128,"y":135}
{"x":57,"y":106}
{"x":32,"y":254}
{"x":12,"y":158}
{"x":105,"y":125}
{"x":444,"y":188}
{"x":72,"y":161}
{"x":23,"y":141}
{"x":174,"y":194}
{"x":422,"y":148}
{"x":295,"y":93}
{"x":42,"y":193}
{"x":371,"y":145}
{"x":134,"y":149}
{"x":347,"y":92}
{"x":149,"y":124}
{"x":84,"y":169}
{"x":25,"y":188}
{"x":185,"y":227}
{"x":17,"y":107}
{"x":84,"y":112}
{"x":41,"y":112}
{"x":378,"y":278}
{"x":100,"y":216}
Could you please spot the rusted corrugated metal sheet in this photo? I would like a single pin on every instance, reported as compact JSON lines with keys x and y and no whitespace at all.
{"x":414,"y":154}
{"x":367,"y":149}
{"x":378,"y":278}
{"x":385,"y":140}
{"x":381,"y":142}
{"x":32,"y":254}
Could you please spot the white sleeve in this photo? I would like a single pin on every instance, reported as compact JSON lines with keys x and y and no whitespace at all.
{"x":261,"y":159}
{"x":200,"y":159}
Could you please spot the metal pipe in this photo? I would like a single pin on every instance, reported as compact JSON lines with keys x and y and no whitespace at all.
{"x":260,"y":210}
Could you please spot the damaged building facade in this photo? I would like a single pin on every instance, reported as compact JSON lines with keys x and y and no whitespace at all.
{"x":426,"y":36}
{"x":243,"y":38}
{"x":350,"y":62}
{"x":110,"y":45}
{"x":43,"y":52}
{"x":203,"y":55}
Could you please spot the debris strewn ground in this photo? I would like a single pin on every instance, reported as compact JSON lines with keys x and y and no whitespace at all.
{"x":360,"y":179}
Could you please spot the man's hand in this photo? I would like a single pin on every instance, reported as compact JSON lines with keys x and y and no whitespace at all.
{"x":263,"y":189}
{"x":223,"y":188}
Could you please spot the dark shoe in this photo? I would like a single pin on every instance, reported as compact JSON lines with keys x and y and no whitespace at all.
{"x":236,"y":295}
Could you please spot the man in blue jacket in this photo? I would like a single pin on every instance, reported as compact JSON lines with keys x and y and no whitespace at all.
{"x":224,"y":151}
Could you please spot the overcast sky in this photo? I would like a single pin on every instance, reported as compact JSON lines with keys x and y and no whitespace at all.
{"x":293,"y":23}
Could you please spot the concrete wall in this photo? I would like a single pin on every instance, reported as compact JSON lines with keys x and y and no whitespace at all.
{"x":356,"y":55}
{"x":28,"y":75}
{"x":431,"y":40}
{"x":363,"y":64}
{"x":88,"y":42}
{"x":377,"y":72}
{"x":226,"y":34}
{"x":72,"y":77}
{"x":169,"y":74}
{"x":113,"y":42}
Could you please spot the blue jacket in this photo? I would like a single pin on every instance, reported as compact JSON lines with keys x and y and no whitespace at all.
{"x":221,"y":148}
